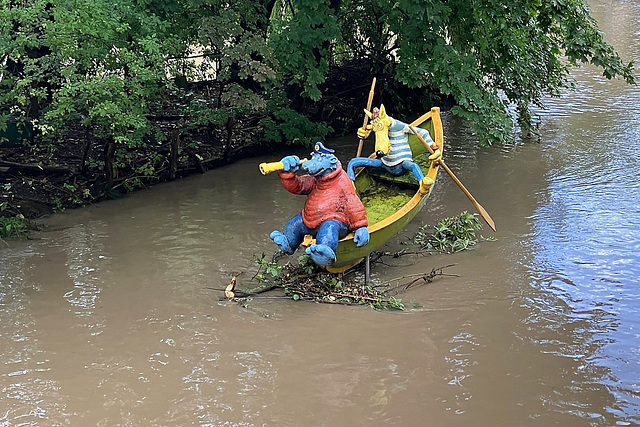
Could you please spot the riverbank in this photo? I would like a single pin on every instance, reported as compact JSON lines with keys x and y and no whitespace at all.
{"x":44,"y":177}
{"x":38,"y":180}
{"x":40,"y":177}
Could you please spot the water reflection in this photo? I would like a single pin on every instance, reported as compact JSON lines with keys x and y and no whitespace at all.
{"x":85,"y":255}
{"x":587,"y":241}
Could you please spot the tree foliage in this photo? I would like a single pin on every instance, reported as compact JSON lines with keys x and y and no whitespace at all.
{"x":487,"y":54}
{"x":107,"y":64}
{"x":97,"y":62}
{"x":300,"y":37}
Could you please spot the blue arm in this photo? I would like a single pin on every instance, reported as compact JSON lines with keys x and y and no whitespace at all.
{"x":361,"y":236}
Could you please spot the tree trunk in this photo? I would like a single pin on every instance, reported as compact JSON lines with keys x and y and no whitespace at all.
{"x":263,"y":25}
{"x":85,"y":154}
{"x":12,"y":167}
{"x":227,"y":146}
{"x":173,"y":156}
{"x":109,"y":153}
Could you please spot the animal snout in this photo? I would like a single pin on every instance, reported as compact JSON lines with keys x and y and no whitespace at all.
{"x":309,"y":166}
{"x":314,"y":167}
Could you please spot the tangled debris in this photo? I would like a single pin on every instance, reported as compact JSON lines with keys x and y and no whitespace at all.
{"x":305,"y":281}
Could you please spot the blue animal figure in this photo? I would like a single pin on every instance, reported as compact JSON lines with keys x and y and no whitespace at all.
{"x":331,"y":211}
{"x":392,"y":149}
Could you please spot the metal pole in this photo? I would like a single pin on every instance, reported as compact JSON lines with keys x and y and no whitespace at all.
{"x":367,"y":270}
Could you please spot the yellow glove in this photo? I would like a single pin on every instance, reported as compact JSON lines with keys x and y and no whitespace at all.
{"x":363,"y":133}
{"x":437,"y":155}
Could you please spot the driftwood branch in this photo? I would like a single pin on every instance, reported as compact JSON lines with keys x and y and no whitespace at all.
{"x":11,"y":167}
{"x":164,"y":117}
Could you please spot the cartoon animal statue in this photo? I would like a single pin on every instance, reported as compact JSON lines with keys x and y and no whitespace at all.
{"x":331,"y":211}
{"x":392,"y":149}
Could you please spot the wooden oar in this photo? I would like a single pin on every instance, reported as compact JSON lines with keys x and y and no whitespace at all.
{"x":483,"y":213}
{"x":366,"y":118}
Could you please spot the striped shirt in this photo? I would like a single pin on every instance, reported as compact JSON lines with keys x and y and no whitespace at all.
{"x":399,"y":138}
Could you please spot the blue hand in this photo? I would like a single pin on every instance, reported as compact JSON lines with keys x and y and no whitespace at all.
{"x":361,"y":236}
{"x":291,"y":163}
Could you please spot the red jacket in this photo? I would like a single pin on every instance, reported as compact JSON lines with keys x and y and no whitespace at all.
{"x":329,"y":197}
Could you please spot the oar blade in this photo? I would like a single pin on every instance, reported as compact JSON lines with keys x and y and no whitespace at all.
{"x":485,"y":215}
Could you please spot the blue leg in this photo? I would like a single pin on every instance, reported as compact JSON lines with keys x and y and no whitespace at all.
{"x":396,"y":170}
{"x":323,"y":252}
{"x":414,"y":168}
{"x":357,"y":162}
{"x":293,"y":234}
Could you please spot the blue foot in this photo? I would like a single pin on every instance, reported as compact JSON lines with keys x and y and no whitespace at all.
{"x":322,"y":255}
{"x":282,"y":242}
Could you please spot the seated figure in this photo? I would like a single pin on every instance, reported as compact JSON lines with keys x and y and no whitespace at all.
{"x":392,"y":149}
{"x":331,"y":211}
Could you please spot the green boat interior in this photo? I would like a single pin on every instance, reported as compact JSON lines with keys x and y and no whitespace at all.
{"x":381,"y":201}
{"x":406,"y":180}
{"x":383,"y":194}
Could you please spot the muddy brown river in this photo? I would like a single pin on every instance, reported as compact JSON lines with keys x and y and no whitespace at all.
{"x":107,"y":317}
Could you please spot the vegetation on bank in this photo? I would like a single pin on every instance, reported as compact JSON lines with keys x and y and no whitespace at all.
{"x":14,"y":226}
{"x":105,"y":96}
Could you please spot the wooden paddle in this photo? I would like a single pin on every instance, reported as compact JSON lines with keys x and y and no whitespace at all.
{"x":366,"y":118}
{"x":483,"y":213}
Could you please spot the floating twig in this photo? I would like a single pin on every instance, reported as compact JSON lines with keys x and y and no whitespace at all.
{"x":228,"y":292}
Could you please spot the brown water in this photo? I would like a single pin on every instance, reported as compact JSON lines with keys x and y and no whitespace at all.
{"x":108,"y":319}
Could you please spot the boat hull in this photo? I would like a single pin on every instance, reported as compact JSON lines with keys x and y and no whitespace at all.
{"x":348,"y":253}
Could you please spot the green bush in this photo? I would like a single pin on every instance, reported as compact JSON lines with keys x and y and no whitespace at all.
{"x":449,"y":235}
{"x":13,"y":226}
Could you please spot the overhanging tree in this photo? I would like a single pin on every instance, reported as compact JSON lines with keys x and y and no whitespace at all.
{"x":487,"y":54}
{"x":105,"y":64}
